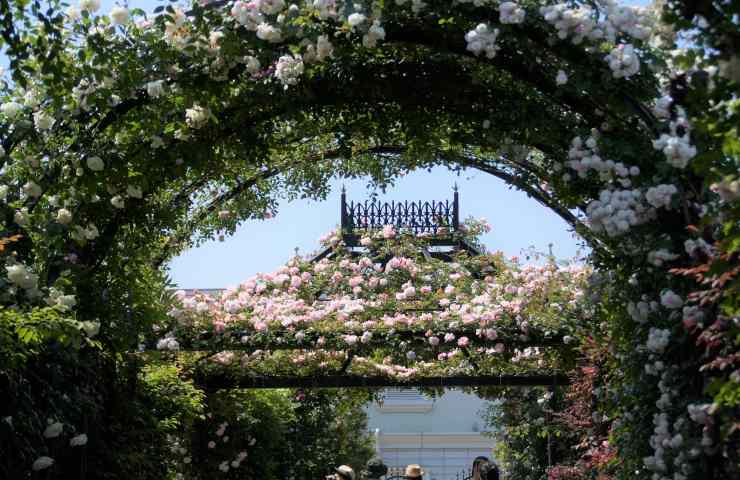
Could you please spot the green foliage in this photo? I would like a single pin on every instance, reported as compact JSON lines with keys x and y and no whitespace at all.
{"x":27,"y":333}
{"x":520,"y":423}
{"x":176,"y":403}
{"x":273,"y":434}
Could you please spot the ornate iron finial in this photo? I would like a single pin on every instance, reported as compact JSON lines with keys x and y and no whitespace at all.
{"x":344,"y":189}
{"x":296,"y":250}
{"x":454,"y":187}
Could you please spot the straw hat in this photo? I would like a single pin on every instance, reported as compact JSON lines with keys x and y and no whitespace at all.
{"x":414,"y":471}
{"x":346,"y":472}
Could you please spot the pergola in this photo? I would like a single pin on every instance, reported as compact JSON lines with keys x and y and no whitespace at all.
{"x":437,"y":219}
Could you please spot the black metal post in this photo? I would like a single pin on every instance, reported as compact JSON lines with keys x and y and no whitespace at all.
{"x":455,"y":209}
{"x":345,"y":223}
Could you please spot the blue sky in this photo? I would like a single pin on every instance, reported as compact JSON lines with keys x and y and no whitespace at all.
{"x":519,"y":223}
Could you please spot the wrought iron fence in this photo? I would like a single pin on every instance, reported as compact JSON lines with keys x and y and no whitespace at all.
{"x":431,"y":217}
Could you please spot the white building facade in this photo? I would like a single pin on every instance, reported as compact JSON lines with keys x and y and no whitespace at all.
{"x":442,"y":435}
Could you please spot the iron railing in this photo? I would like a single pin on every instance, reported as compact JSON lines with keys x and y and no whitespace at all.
{"x":430,"y":217}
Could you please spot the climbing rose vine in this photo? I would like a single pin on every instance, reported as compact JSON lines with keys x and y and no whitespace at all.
{"x":398,"y":312}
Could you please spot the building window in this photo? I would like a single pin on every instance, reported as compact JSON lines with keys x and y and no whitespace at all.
{"x":404,"y":400}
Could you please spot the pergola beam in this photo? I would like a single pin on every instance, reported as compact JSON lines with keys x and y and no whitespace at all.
{"x":335,"y":340}
{"x":217,"y":382}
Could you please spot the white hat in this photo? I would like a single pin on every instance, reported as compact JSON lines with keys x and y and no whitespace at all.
{"x":414,"y":471}
{"x":346,"y":472}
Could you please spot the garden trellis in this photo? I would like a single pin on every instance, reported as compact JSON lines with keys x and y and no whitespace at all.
{"x":127,"y":138}
{"x":417,"y":286}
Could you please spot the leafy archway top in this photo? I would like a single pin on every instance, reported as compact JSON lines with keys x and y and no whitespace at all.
{"x":161,"y":131}
{"x":389,"y":309}
{"x":278,"y":86}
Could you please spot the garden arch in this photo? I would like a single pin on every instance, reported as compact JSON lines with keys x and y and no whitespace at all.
{"x":134,"y":140}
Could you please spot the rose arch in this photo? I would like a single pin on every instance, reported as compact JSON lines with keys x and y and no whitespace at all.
{"x":416,"y":301}
{"x":126,"y":138}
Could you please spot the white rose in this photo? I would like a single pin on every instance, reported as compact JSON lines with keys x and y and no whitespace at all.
{"x":134,"y":191}
{"x":64,"y":216}
{"x":356,"y":19}
{"x":267,"y":32}
{"x":511,"y":12}
{"x":155,"y":89}
{"x":118,"y":15}
{"x":197,"y":116}
{"x":271,"y":7}
{"x":669,"y":299}
{"x":78,"y":441}
{"x":32,"y":189}
{"x":324,"y":48}
{"x":17,"y":274}
{"x":21,"y":216}
{"x":66,"y":302}
{"x":91,"y":328}
{"x":95,"y":164}
{"x":31,"y":98}
{"x":42,"y":463}
{"x":289,"y":69}
{"x":117,"y":201}
{"x":43,"y":121}
{"x":73,"y":13}
{"x":561,"y":78}
{"x":53,"y":430}
{"x":11,"y":109}
{"x":89,"y":5}
{"x":253,"y":65}
{"x":91,"y":232}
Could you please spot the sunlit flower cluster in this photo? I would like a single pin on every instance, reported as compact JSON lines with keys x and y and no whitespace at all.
{"x":483,"y":40}
{"x":624,"y":61}
{"x":617,"y":211}
{"x":347,"y":302}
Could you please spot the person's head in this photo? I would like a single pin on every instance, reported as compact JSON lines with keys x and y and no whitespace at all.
{"x":489,"y":471}
{"x":478,"y":462}
{"x":414,"y":472}
{"x":376,"y":468}
{"x":344,"y":472}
